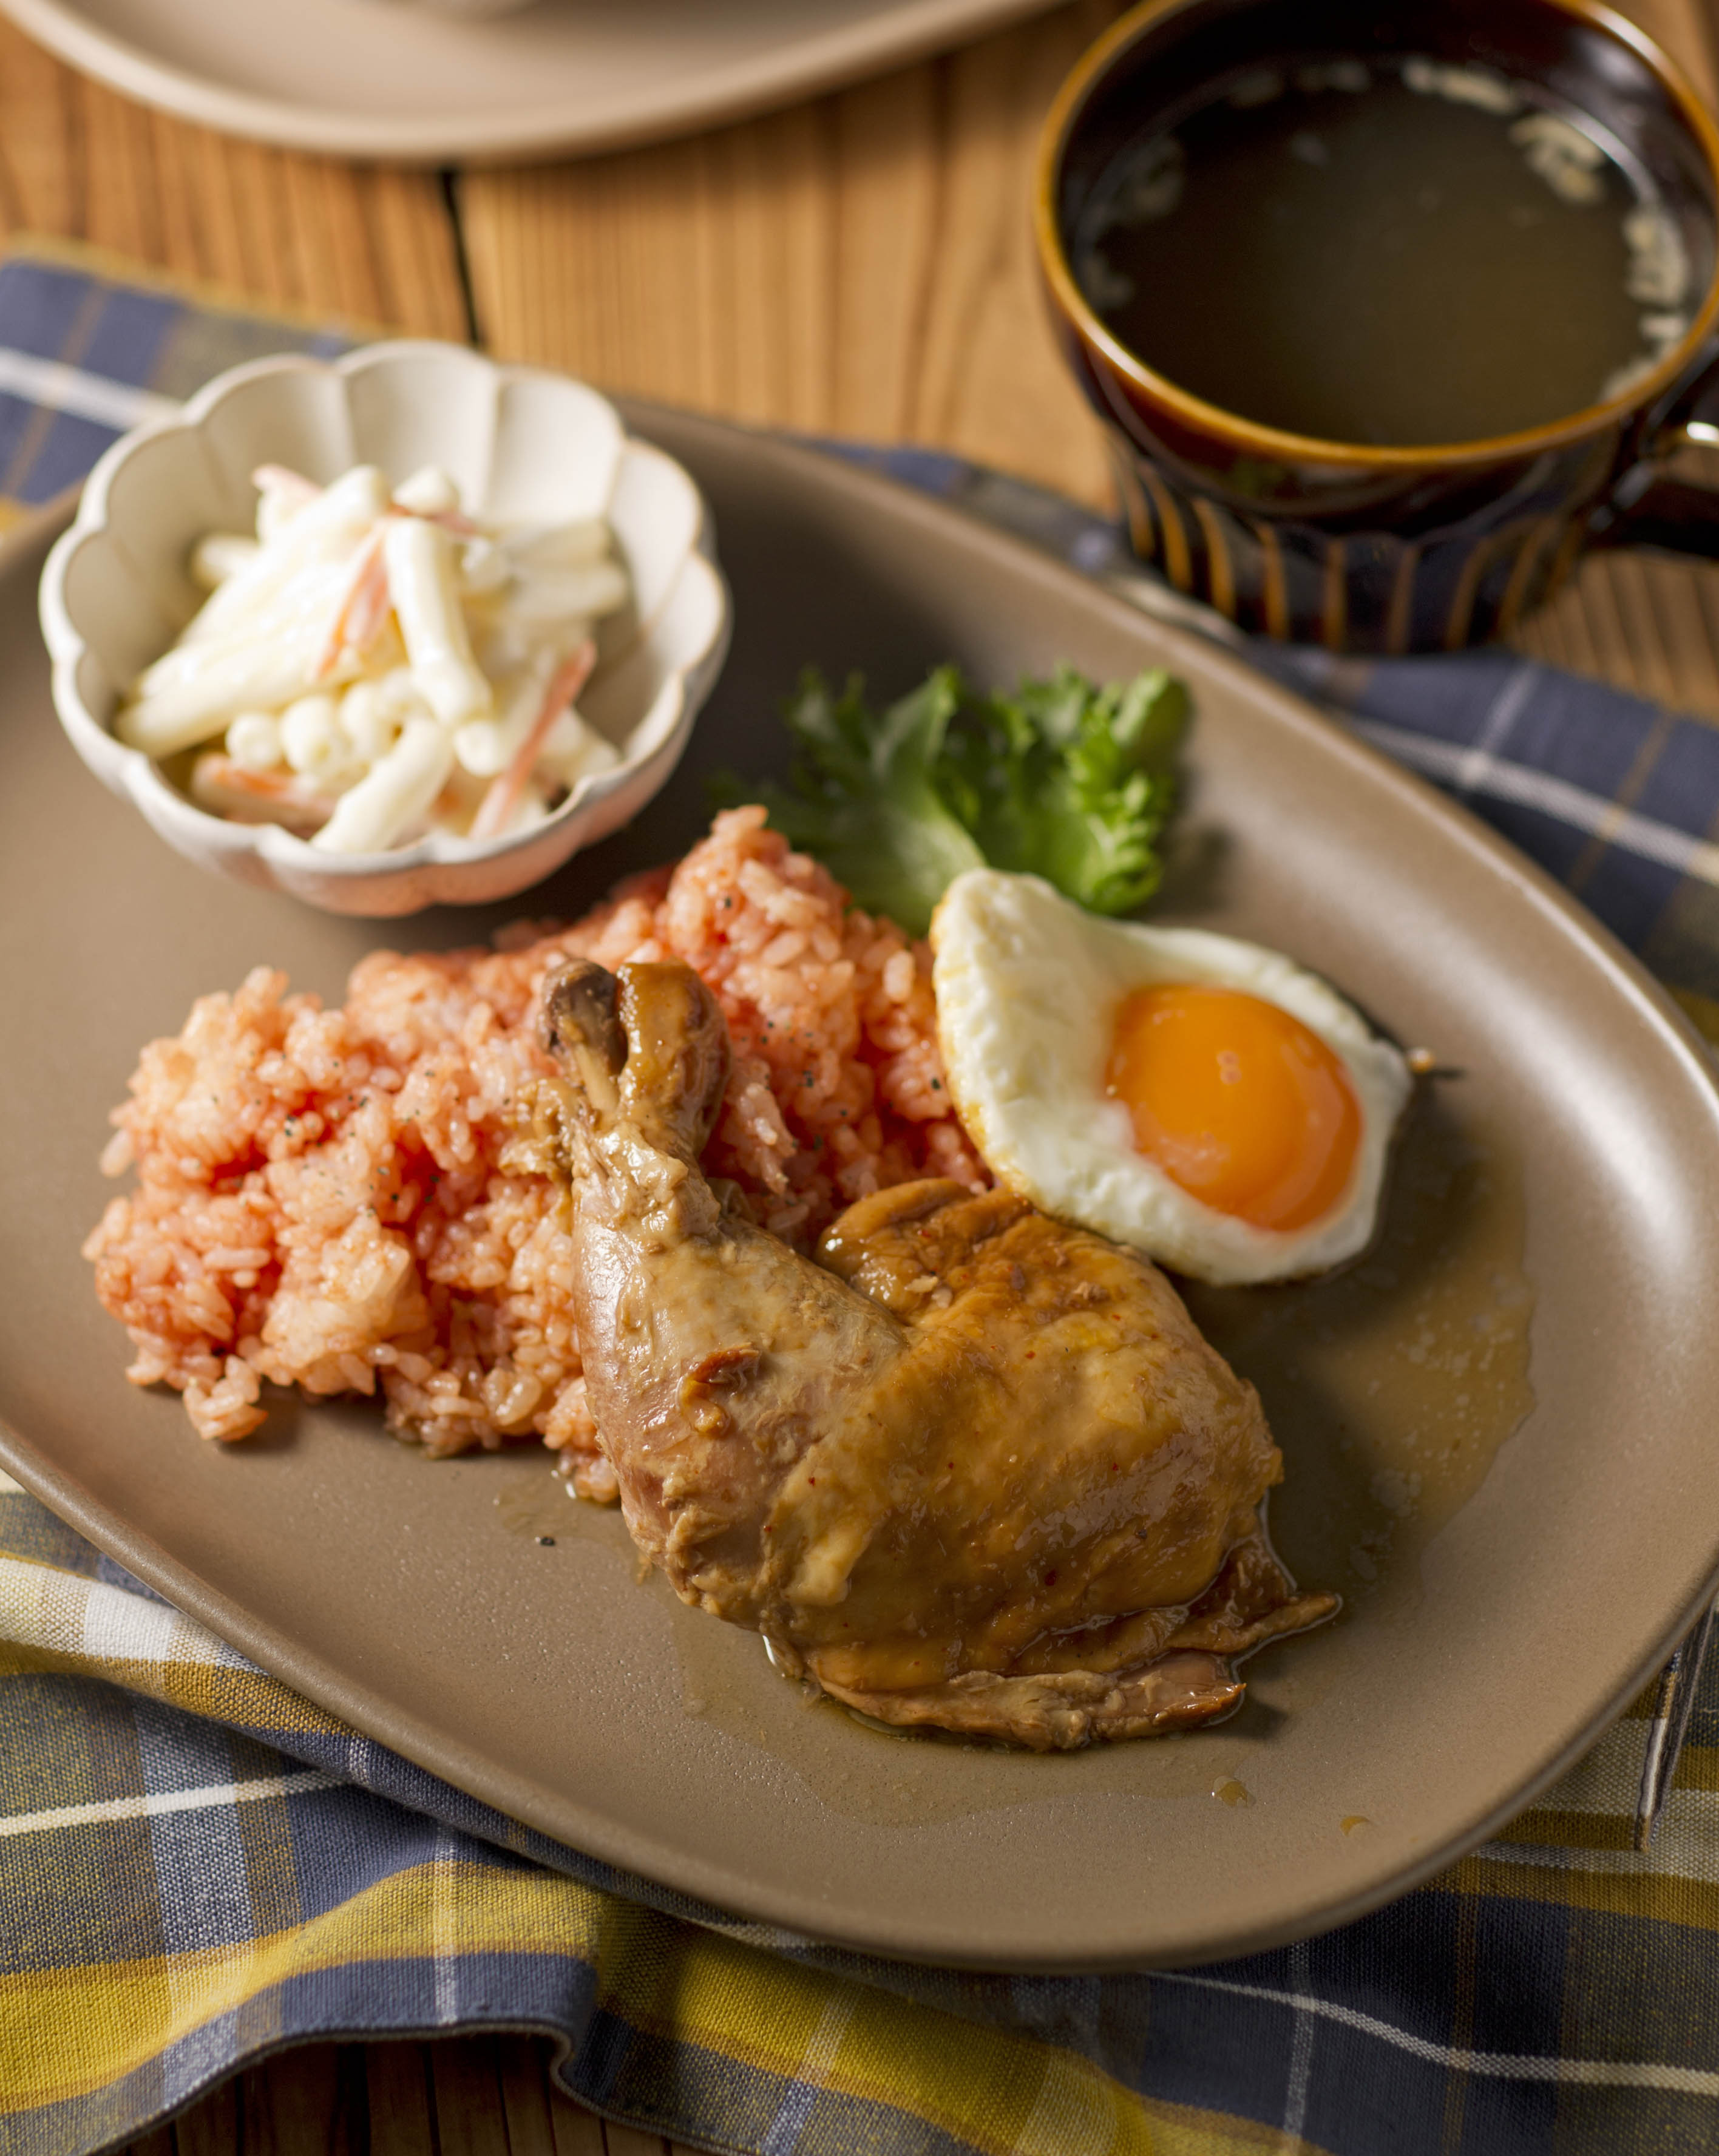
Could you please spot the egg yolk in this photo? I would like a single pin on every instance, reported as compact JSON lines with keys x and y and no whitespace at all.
{"x":1236,"y":1100}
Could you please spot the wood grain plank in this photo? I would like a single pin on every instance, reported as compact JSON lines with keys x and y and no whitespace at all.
{"x":577,"y":2131}
{"x":628,"y":2141}
{"x":470,"y":2120}
{"x":1674,"y":659}
{"x":992,"y":384}
{"x":782,"y":243}
{"x":889,"y":186}
{"x":862,"y":264}
{"x":1544,"y":636}
{"x":79,"y":162}
{"x":158,"y":2143}
{"x":397,"y":2078}
{"x":668,"y":272}
{"x":522,"y":2068}
{"x":211,"y":2127}
{"x":1644,"y":623}
{"x":299,"y":2100}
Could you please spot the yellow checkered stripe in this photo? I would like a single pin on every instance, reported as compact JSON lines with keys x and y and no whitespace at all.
{"x":55,"y":1622}
{"x":1004,"y":2094}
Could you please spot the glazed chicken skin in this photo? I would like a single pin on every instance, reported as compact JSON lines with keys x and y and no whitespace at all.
{"x":974,"y":1468}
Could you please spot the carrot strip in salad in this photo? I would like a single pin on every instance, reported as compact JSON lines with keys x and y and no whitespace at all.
{"x":498,"y":804}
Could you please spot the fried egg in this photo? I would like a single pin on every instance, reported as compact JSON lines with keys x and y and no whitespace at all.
{"x":1208,"y":1102}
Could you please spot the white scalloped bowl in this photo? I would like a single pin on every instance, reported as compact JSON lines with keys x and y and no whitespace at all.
{"x":523,"y":444}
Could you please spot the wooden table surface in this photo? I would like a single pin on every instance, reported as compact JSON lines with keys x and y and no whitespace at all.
{"x":859,"y":265}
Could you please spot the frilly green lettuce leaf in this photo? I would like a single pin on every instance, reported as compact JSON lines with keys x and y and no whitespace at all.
{"x":1062,"y":779}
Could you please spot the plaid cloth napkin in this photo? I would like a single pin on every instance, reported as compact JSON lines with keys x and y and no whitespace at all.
{"x":196,"y":1865}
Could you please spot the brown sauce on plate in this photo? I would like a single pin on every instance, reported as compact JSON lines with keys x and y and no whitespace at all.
{"x":1391,"y":1384}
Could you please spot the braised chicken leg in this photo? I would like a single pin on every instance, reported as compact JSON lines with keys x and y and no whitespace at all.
{"x":974,"y":1468}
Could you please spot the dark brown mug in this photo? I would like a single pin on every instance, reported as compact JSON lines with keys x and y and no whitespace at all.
{"x":1385,"y":549}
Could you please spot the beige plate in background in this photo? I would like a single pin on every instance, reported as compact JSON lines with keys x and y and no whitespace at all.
{"x":392,"y":79}
{"x":1498,"y":1428}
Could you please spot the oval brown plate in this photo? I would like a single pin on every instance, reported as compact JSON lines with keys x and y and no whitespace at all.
{"x":1547,"y":1262}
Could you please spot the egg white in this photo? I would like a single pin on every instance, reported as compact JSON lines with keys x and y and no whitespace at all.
{"x":1027,"y":987}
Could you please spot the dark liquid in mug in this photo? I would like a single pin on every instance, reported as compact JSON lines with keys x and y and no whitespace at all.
{"x":1407,"y":255}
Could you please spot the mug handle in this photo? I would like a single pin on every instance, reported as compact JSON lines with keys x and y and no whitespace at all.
{"x":1673,"y":516}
